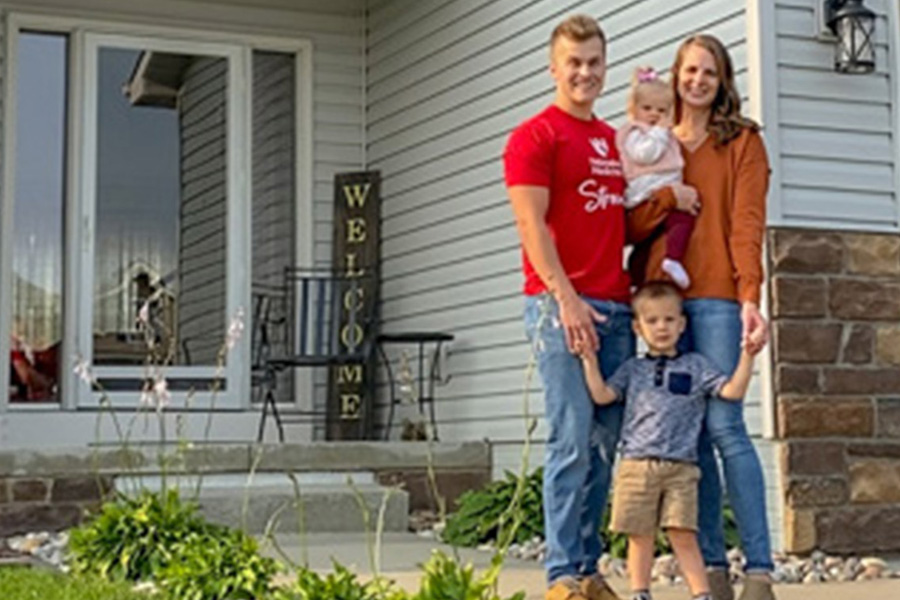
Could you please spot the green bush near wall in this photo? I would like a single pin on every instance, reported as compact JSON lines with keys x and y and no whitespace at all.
{"x":477,"y":519}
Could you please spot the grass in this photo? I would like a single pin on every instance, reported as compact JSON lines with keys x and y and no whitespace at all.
{"x":39,"y":584}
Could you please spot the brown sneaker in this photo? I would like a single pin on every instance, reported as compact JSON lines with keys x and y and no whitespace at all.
{"x":720,"y":585}
{"x":757,"y":589}
{"x":594,"y":587}
{"x":565,"y":588}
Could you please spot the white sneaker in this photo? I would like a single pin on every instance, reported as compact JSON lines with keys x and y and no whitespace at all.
{"x":675,"y":270}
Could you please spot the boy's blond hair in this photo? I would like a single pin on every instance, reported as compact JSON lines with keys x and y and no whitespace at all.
{"x":646,"y":80}
{"x":578,"y":28}
{"x":654,"y":290}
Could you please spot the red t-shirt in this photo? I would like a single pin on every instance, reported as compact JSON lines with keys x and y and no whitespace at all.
{"x":579,"y":162}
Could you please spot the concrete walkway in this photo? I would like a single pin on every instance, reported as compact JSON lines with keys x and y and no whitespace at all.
{"x":401,"y":553}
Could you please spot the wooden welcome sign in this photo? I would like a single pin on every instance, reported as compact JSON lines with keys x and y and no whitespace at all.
{"x":357,"y":207}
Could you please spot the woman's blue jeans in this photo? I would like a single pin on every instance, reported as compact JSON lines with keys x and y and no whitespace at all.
{"x":714,"y":330}
{"x":582,"y":437}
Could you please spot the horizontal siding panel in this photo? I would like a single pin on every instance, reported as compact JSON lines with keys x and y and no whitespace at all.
{"x":872,"y":89}
{"x":827,"y":206}
{"x":798,"y":52}
{"x":838,"y":175}
{"x":834,"y":115}
{"x":820,"y":143}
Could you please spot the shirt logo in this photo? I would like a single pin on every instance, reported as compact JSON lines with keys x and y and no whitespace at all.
{"x":599,"y":196}
{"x":600,"y":146}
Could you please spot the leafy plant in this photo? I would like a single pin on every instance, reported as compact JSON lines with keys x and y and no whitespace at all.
{"x":341,"y":583}
{"x":217,"y":564}
{"x":133,"y":538}
{"x":480,"y":512}
{"x":159,"y":537}
{"x":477,"y":520}
{"x":445,"y":578}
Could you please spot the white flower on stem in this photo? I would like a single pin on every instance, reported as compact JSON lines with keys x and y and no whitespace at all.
{"x":161,"y":391}
{"x":156,"y":395}
{"x":83,"y":370}
{"x":143,"y":315}
{"x":235,"y":329}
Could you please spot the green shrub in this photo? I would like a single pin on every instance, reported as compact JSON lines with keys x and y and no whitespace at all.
{"x":218,"y":564}
{"x":161,"y":538}
{"x":40,"y":584}
{"x":341,"y":584}
{"x":477,"y":519}
{"x":445,"y":578}
{"x":133,"y":538}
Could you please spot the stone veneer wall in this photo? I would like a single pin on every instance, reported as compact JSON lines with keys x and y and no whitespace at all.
{"x":836,"y":321}
{"x":49,"y":503}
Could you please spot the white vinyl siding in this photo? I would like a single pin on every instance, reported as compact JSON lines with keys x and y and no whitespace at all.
{"x":836,"y":132}
{"x":446,"y":83}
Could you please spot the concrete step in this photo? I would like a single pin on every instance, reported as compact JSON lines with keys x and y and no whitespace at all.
{"x":329,"y":503}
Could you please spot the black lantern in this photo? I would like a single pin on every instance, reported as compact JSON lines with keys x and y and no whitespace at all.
{"x":854,"y":26}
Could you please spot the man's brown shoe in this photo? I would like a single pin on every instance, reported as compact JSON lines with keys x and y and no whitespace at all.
{"x":720,"y":585}
{"x":595,"y":587}
{"x":757,"y":589}
{"x":565,"y":588}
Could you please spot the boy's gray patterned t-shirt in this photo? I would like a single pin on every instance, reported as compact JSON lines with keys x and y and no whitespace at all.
{"x":665,"y":400}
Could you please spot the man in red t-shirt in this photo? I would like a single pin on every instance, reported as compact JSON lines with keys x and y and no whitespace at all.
{"x":566,"y":187}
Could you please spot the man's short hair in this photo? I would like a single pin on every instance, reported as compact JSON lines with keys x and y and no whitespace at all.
{"x":654,"y":290}
{"x":578,"y":28}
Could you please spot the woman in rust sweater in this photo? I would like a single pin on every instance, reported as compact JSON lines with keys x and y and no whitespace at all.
{"x":725,"y":162}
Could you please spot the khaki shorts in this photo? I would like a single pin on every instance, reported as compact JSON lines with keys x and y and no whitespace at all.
{"x":651,"y":493}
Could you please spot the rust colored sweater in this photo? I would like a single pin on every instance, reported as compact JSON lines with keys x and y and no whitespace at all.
{"x":724,"y":256}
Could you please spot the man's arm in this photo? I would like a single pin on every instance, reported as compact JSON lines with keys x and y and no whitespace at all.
{"x":530,"y":204}
{"x":736,"y":387}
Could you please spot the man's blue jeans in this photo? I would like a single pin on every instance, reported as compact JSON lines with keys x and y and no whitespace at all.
{"x":582,"y":437}
{"x":714,"y":330}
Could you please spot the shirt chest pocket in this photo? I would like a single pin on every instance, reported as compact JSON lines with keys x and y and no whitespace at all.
{"x":680,"y":383}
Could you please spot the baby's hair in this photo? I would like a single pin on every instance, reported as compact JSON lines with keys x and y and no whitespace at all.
{"x":655,"y":290}
{"x":646,"y":79}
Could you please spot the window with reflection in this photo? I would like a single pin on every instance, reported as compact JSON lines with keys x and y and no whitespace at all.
{"x":160,"y":240}
{"x":38,"y":218}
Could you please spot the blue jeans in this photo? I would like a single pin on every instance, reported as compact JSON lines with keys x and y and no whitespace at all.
{"x":582,"y":436}
{"x":714,"y":330}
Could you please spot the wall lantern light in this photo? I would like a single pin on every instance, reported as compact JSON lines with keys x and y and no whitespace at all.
{"x":854,"y":26}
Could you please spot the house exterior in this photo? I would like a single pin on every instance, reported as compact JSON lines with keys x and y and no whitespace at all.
{"x":426,"y":92}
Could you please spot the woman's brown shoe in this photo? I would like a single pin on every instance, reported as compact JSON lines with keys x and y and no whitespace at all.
{"x":720,"y":585}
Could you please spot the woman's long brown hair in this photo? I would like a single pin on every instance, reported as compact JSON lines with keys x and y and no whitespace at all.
{"x":725,"y":121}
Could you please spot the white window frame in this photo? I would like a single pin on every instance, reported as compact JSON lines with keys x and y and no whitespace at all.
{"x":238,"y":48}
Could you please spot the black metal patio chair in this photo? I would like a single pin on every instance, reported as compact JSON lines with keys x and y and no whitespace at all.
{"x":316,"y":305}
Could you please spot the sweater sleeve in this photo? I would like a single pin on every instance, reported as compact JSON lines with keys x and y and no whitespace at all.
{"x":643,"y":219}
{"x":749,"y":217}
{"x":646,"y":146}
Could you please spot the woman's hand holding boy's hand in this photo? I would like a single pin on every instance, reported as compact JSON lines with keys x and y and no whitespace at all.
{"x":686,"y":198}
{"x":755,"y":334}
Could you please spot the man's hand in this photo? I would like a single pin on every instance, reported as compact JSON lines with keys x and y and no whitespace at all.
{"x":578,"y":319}
{"x":755,"y":330}
{"x":686,"y":198}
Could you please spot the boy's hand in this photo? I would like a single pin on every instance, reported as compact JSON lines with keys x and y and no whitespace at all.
{"x":584,"y":351}
{"x":755,"y":342}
